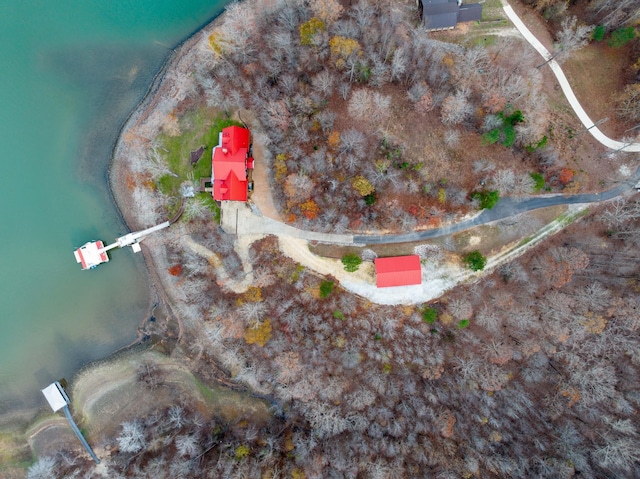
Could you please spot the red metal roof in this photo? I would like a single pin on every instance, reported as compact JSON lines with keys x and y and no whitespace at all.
{"x":398,"y":271}
{"x":229,"y":165}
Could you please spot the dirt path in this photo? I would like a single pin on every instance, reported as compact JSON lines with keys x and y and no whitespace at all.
{"x":261,"y":196}
{"x":437,"y":277}
{"x":241,"y":246}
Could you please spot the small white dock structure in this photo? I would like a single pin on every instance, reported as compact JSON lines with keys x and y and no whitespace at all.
{"x":94,"y":253}
{"x":58,"y":399}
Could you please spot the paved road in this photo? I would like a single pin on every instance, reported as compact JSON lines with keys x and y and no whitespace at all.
{"x":566,"y":88}
{"x":242,"y":221}
{"x":505,"y":208}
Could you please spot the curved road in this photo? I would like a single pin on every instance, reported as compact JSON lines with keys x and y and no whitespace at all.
{"x":252,"y":223}
{"x":564,"y":84}
{"x":510,"y":206}
{"x":505,"y":208}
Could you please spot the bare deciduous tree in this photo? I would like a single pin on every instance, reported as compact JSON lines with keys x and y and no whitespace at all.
{"x":456,"y":108}
{"x":571,"y":37}
{"x":43,"y":468}
{"x":131,"y":439}
{"x":352,"y":142}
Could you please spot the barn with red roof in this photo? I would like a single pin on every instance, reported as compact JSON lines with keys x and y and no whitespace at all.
{"x":398,"y":271}
{"x":230,"y":161}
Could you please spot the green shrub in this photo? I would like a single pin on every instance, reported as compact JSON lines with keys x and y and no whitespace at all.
{"x":541,"y":144}
{"x":513,"y":119}
{"x":351,"y":262}
{"x":463,"y":323}
{"x":475,"y":261}
{"x":598,"y":33}
{"x":508,"y":136}
{"x":370,"y":199}
{"x":491,"y":137}
{"x":338,"y":315}
{"x":539,"y":180}
{"x":326,"y":287}
{"x":487,"y":199}
{"x":429,"y":315}
{"x":621,"y":36}
{"x":506,"y":133}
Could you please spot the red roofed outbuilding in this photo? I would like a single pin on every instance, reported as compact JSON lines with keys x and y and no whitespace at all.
{"x":398,"y":271}
{"x":230,"y":160}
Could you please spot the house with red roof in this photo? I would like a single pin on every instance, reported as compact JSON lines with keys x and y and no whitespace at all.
{"x":230,"y":163}
{"x":398,"y":271}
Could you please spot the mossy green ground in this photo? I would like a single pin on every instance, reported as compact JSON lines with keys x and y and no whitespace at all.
{"x":198,"y":128}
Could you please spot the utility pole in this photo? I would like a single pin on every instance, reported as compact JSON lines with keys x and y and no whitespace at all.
{"x":599,"y":122}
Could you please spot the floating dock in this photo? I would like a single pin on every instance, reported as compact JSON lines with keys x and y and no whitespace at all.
{"x":94,"y":253}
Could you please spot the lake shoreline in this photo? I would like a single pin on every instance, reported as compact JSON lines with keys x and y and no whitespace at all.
{"x":18,"y":419}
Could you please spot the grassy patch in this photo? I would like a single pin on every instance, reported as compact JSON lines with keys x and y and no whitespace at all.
{"x":207,"y":393}
{"x":199,"y":128}
{"x":207,"y":199}
{"x":484,"y":41}
{"x":569,"y":217}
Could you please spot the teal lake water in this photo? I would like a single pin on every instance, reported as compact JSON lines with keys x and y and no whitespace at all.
{"x":71,"y":71}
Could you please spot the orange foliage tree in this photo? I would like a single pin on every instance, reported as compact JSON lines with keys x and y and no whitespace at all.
{"x":309,"y":209}
{"x":566,"y":175}
{"x":175,"y":270}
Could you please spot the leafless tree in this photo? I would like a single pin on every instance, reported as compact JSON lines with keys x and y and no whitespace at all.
{"x":619,"y":454}
{"x":456,"y":108}
{"x":176,"y":417}
{"x":571,"y":37}
{"x":352,"y":142}
{"x":452,"y":138}
{"x":489,"y":318}
{"x":628,"y":104}
{"x":460,"y":308}
{"x":504,"y":181}
{"x":344,"y":88}
{"x":323,"y":83}
{"x":187,"y":445}
{"x":131,"y":438}
{"x":43,"y":468}
{"x":617,"y":12}
{"x":399,"y":64}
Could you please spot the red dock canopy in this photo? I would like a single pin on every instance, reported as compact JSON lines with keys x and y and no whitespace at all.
{"x":398,"y":271}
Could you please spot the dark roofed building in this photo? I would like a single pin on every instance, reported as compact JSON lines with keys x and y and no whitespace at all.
{"x":446,"y":14}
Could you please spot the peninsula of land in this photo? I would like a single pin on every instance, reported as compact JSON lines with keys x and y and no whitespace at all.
{"x":272,"y":350}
